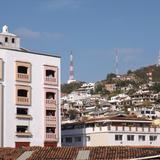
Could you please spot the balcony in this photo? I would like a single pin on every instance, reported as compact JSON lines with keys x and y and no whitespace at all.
{"x":50,"y":80}
{"x":23,"y":77}
{"x":51,"y":118}
{"x":51,"y":75}
{"x":50,"y":121}
{"x":23,"y":101}
{"x":50,"y":104}
{"x":23,"y":71}
{"x":23,"y":116}
{"x":51,"y":137}
{"x":23,"y":134}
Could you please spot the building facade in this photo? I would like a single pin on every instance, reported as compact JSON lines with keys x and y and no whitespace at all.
{"x":29,"y":95}
{"x":113,"y":131}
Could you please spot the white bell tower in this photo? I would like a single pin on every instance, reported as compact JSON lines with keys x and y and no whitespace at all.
{"x":9,"y":40}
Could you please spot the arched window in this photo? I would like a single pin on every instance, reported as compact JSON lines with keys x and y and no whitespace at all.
{"x":13,"y":40}
{"x":6,"y":39}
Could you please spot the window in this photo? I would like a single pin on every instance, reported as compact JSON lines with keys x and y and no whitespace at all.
{"x":22,"y":69}
{"x":22,"y":111}
{"x":50,"y":113}
{"x":141,"y":138}
{"x":13,"y":40}
{"x":153,"y":138}
{"x":118,"y":137}
{"x":22,"y":129}
{"x":6,"y":39}
{"x":50,"y":130}
{"x":142,"y":112}
{"x":68,"y":139}
{"x":22,"y":93}
{"x":50,"y":95}
{"x":77,"y":139}
{"x":50,"y":73}
{"x":152,"y":112}
{"x":147,"y":112}
{"x":88,"y":138}
{"x":130,"y":137}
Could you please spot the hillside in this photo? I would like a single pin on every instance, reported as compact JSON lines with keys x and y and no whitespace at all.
{"x":137,"y":77}
{"x":150,"y":71}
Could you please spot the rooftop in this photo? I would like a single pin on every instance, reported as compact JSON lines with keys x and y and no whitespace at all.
{"x":91,"y":153}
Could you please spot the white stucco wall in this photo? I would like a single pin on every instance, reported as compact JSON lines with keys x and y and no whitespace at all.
{"x":37,"y":108}
{"x":105,"y":137}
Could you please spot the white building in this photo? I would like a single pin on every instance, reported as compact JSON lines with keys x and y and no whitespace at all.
{"x":76,"y":96}
{"x":29,"y":95}
{"x":111,"y":131}
{"x":120,"y":99}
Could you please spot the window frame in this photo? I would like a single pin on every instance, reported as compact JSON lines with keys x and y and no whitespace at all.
{"x":29,"y":95}
{"x":28,"y":74}
{"x":67,"y":139}
{"x":78,"y":139}
{"x":56,"y":75}
{"x":130,"y":137}
{"x":118,"y":137}
{"x":153,"y":137}
{"x":141,"y":138}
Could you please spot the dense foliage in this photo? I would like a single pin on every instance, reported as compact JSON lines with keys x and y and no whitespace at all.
{"x":68,"y":88}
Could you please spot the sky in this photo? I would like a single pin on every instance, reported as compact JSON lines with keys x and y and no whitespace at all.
{"x":91,"y":29}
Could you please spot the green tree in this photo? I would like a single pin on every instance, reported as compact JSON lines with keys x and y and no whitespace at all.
{"x":68,"y":88}
{"x":98,"y":88}
{"x":110,"y":77}
{"x":156,"y":87}
{"x":129,"y":72}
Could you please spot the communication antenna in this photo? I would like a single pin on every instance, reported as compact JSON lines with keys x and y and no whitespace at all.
{"x":158,"y":63}
{"x":71,"y":69}
{"x":116,"y":61}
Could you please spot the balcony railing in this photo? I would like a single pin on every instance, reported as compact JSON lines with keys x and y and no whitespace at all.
{"x":23,"y":77}
{"x":23,"y":134}
{"x":23,"y":116}
{"x":50,"y":103}
{"x":50,"y":80}
{"x":51,"y":137}
{"x":23,"y":101}
{"x":50,"y":121}
{"x":50,"y":118}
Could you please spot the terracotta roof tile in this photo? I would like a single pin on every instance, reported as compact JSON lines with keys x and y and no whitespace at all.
{"x":70,"y":153}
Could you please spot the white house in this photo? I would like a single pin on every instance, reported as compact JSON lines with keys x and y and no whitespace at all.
{"x":111,"y":131}
{"x":29,"y":95}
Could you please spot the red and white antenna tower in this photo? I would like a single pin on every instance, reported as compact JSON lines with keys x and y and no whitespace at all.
{"x":71,"y":70}
{"x":116,"y":61}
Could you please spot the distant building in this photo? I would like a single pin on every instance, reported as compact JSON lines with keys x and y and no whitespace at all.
{"x":110,"y":87}
{"x":110,"y":131}
{"x":29,"y":95}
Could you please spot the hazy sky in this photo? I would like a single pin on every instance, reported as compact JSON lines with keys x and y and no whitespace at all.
{"x":92,"y":29}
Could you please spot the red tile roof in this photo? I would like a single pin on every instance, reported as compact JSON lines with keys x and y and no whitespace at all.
{"x":70,"y":153}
